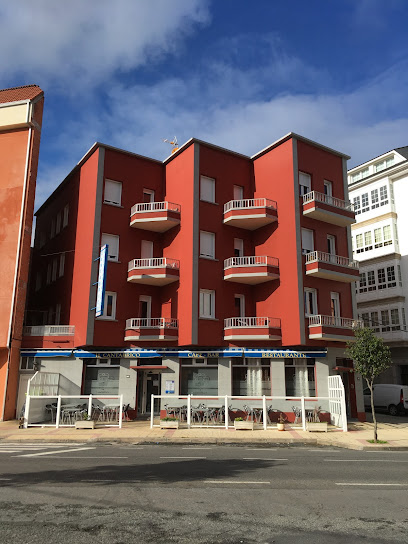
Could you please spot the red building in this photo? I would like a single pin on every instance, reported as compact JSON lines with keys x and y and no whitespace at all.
{"x":227,"y":274}
{"x":21,"y":110}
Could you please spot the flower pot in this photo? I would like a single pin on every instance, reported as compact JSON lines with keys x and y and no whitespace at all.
{"x":169,"y":424}
{"x":281,"y":426}
{"x":244,"y":425}
{"x":85,"y":424}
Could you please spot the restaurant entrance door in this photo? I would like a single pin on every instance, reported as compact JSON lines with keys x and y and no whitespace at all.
{"x":148,"y":384}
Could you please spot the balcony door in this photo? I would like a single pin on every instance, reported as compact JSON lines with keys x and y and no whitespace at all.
{"x":335,"y":304}
{"x":239,"y":307}
{"x":238,"y":247}
{"x":148,"y":196}
{"x":146,"y":249}
{"x":148,"y":384}
{"x":145,"y":307}
{"x":310,"y":302}
{"x":238,"y":192}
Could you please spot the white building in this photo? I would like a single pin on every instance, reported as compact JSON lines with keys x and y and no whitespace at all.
{"x":379,"y":192}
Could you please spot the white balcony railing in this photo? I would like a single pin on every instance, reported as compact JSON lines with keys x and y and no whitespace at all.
{"x":251,"y":261}
{"x":251,"y":322}
{"x":250,"y":203}
{"x":332,"y":321}
{"x":331,"y":259}
{"x":155,"y":207}
{"x":163,"y":262}
{"x":151,"y":323}
{"x":49,"y":330}
{"x":327,"y":199}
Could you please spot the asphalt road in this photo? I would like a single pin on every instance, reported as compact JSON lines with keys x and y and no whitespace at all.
{"x":119,"y":494}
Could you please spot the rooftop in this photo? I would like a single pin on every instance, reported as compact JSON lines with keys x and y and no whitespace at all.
{"x":15,"y":94}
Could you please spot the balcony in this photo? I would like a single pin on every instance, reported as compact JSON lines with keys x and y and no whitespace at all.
{"x":151,"y":328}
{"x":393,"y":336}
{"x":331,"y":267}
{"x":48,"y":336}
{"x":373,"y":293}
{"x":252,"y":328}
{"x":155,"y":216}
{"x":153,"y":271}
{"x":335,"y":329}
{"x":250,"y":214}
{"x":328,"y":209}
{"x":251,"y":270}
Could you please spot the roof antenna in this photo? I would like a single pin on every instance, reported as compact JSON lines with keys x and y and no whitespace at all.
{"x":173,"y":143}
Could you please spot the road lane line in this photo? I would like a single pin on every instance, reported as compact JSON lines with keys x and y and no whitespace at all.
{"x":87,"y":457}
{"x":373,"y":485}
{"x":233,"y":482}
{"x":185,"y":457}
{"x":365,"y":461}
{"x":261,"y":459}
{"x":54,"y":452}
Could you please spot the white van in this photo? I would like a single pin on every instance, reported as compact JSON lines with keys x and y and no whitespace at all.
{"x":388,"y":397}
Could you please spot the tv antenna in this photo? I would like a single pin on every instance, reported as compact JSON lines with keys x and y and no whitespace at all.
{"x":172,"y":142}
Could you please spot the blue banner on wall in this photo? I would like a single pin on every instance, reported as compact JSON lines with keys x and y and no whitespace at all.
{"x":100,"y":295}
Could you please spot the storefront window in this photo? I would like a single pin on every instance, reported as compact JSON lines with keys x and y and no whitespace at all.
{"x":101,"y":381}
{"x":251,"y":381}
{"x":199,"y":381}
{"x":300,"y":377}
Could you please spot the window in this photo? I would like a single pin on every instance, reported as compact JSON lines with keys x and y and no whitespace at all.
{"x":375,"y":203}
{"x":357,"y":205}
{"x":102,"y":380}
{"x":335,"y":304}
{"x":385,"y":321}
{"x":65,"y":218}
{"x":207,"y":304}
{"x":58,"y":223}
{"x":387,"y":235}
{"x":238,"y":247}
{"x":383,"y":195}
{"x":53,"y":225}
{"x":395,"y":322}
{"x":363,"y":282}
{"x":374,"y":321}
{"x":27,"y":363}
{"x":54,"y":269}
{"x":368,"y":243}
{"x":109,"y":310}
{"x":207,"y":244}
{"x":112,"y":240}
{"x":113,"y":192}
{"x":300,"y":378}
{"x":399,"y":275}
{"x":385,"y":163}
{"x":145,"y":307}
{"x":58,"y":314}
{"x":238,"y":192}
{"x":148,"y":195}
{"x":359,"y":243}
{"x":207,"y":189}
{"x":371,"y":280}
{"x":381,"y":278}
{"x":328,"y":188}
{"x":61,"y":265}
{"x":366,"y":319}
{"x":307,"y":241}
{"x":310,"y":302}
{"x":391,"y":280}
{"x":360,"y":175}
{"x":239,"y":306}
{"x":199,"y":380}
{"x":331,"y":244}
{"x":251,"y":380}
{"x":38,"y":281}
{"x":364,"y":203}
{"x":305,"y":183}
{"x":378,"y":238}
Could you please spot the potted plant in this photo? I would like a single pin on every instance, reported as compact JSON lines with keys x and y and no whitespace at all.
{"x":169,"y":423}
{"x":240,"y":424}
{"x":281,"y":422}
{"x":86,"y":422}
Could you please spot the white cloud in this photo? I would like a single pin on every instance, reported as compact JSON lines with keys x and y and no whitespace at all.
{"x":80,"y":42}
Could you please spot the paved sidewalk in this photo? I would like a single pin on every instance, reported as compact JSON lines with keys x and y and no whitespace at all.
{"x":139,"y":432}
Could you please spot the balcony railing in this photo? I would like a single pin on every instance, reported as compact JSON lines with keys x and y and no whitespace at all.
{"x":331,"y":259}
{"x":251,"y":322}
{"x":49,"y":330}
{"x":155,"y":207}
{"x":151,"y":323}
{"x":163,"y":262}
{"x":250,"y":203}
{"x":251,"y":261}
{"x":332,"y":321}
{"x":327,"y":199}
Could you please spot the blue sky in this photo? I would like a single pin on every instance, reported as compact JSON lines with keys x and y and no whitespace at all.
{"x":238,"y":74}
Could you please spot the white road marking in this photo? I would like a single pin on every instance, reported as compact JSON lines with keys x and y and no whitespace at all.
{"x":364,"y":484}
{"x":261,"y":459}
{"x":40,"y":444}
{"x":365,"y":460}
{"x":183,"y":457}
{"x":88,"y":457}
{"x":233,"y":482}
{"x":54,"y":452}
{"x":5,"y":479}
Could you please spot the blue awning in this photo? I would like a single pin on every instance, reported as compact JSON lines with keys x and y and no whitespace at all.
{"x":45,"y":353}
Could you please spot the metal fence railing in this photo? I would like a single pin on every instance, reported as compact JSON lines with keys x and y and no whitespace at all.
{"x":321,"y":256}
{"x":249,"y":203}
{"x":157,"y":262}
{"x":251,"y":261}
{"x":49,"y":330}
{"x":151,"y":323}
{"x":328,"y":199}
{"x":251,"y":322}
{"x":155,"y":207}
